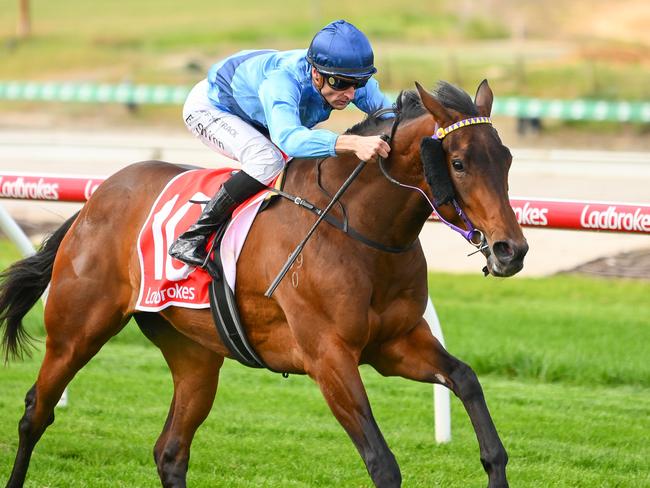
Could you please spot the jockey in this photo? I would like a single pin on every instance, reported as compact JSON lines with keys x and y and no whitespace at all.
{"x":256,"y":105}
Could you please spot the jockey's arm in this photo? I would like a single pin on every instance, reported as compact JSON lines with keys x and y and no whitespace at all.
{"x":280,"y":96}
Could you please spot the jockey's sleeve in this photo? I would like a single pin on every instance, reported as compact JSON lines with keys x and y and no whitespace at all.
{"x":280,"y":97}
{"x":370,"y":98}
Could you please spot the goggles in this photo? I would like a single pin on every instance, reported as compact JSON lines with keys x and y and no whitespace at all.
{"x":342,"y":84}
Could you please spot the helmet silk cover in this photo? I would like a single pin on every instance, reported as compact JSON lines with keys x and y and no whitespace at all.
{"x":342,"y":49}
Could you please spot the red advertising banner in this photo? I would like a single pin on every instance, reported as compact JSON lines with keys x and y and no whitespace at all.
{"x":570,"y":214}
{"x":550,"y":213}
{"x":48,"y":187}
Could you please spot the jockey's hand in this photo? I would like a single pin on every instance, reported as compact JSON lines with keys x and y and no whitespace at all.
{"x":366,"y":148}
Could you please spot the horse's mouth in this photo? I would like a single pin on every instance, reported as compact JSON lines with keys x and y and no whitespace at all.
{"x":504,"y":259}
{"x":496,"y":268}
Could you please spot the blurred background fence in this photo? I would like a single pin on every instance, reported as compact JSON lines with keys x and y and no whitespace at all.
{"x":129,"y":94}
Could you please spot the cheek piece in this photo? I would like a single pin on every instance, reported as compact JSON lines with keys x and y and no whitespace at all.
{"x":437,"y":176}
{"x":435,"y":171}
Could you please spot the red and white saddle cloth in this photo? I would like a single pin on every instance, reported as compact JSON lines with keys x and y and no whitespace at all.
{"x":166,"y":281}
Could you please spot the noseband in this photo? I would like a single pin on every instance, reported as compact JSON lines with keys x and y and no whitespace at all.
{"x":474,"y":236}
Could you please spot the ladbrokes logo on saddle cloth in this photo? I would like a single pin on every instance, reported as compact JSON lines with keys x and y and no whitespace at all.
{"x":166,"y":281}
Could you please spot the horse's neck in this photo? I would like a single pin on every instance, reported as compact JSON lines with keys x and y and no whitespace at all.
{"x":395,"y":214}
{"x":375,"y":207}
{"x":386,"y":211}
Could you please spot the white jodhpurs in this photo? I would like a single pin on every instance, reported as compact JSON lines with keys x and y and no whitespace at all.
{"x":231,"y":136}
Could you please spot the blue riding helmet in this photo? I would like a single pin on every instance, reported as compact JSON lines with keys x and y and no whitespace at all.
{"x":340,"y":49}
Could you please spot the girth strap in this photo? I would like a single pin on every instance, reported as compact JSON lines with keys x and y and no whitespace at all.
{"x":228,"y":324}
{"x":225,"y":311}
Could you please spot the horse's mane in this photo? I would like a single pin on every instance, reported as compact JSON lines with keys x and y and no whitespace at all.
{"x":410,"y":107}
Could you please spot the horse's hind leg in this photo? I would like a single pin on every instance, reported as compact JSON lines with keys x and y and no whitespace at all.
{"x":76,"y":331}
{"x":419,"y":356}
{"x":195,"y":371}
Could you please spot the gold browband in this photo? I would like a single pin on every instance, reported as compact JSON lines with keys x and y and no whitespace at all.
{"x":442,"y":132}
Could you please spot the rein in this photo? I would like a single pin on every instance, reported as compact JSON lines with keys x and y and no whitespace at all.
{"x":343,"y":225}
{"x":473,"y":235}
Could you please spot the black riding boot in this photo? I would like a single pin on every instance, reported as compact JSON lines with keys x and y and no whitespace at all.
{"x":190,"y":247}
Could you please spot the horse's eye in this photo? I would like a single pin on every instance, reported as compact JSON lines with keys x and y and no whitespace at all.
{"x":457,"y":164}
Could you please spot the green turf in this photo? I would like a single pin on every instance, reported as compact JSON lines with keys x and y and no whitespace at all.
{"x":564,"y":328}
{"x":563,"y":361}
{"x":270,"y":432}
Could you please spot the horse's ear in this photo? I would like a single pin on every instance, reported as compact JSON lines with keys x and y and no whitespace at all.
{"x":434,"y":106}
{"x":483,"y":99}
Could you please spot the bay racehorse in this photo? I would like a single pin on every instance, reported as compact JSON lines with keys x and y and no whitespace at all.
{"x":355,"y":304}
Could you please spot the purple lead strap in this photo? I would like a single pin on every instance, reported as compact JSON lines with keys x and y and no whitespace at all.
{"x":467,"y":234}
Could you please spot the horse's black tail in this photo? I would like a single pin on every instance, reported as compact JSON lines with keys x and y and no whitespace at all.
{"x":21,"y":285}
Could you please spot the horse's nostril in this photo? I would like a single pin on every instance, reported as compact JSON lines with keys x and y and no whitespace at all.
{"x":503,"y":251}
{"x":506,"y":252}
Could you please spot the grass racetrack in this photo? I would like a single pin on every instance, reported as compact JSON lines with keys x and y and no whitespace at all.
{"x":563,"y":362}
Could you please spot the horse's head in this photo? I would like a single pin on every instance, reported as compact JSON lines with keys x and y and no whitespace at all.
{"x":470,"y":165}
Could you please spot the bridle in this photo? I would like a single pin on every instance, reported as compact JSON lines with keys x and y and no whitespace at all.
{"x":473,"y":235}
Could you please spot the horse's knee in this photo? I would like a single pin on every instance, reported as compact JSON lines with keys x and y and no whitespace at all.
{"x":172,"y":463}
{"x":465,"y":382}
{"x":382,"y":467}
{"x":169,"y":453}
{"x":162,"y":453}
{"x":26,"y":425}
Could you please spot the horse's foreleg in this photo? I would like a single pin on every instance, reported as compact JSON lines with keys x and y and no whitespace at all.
{"x":195,"y":371}
{"x":337,"y":373}
{"x":74,"y":336}
{"x":419,"y":356}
